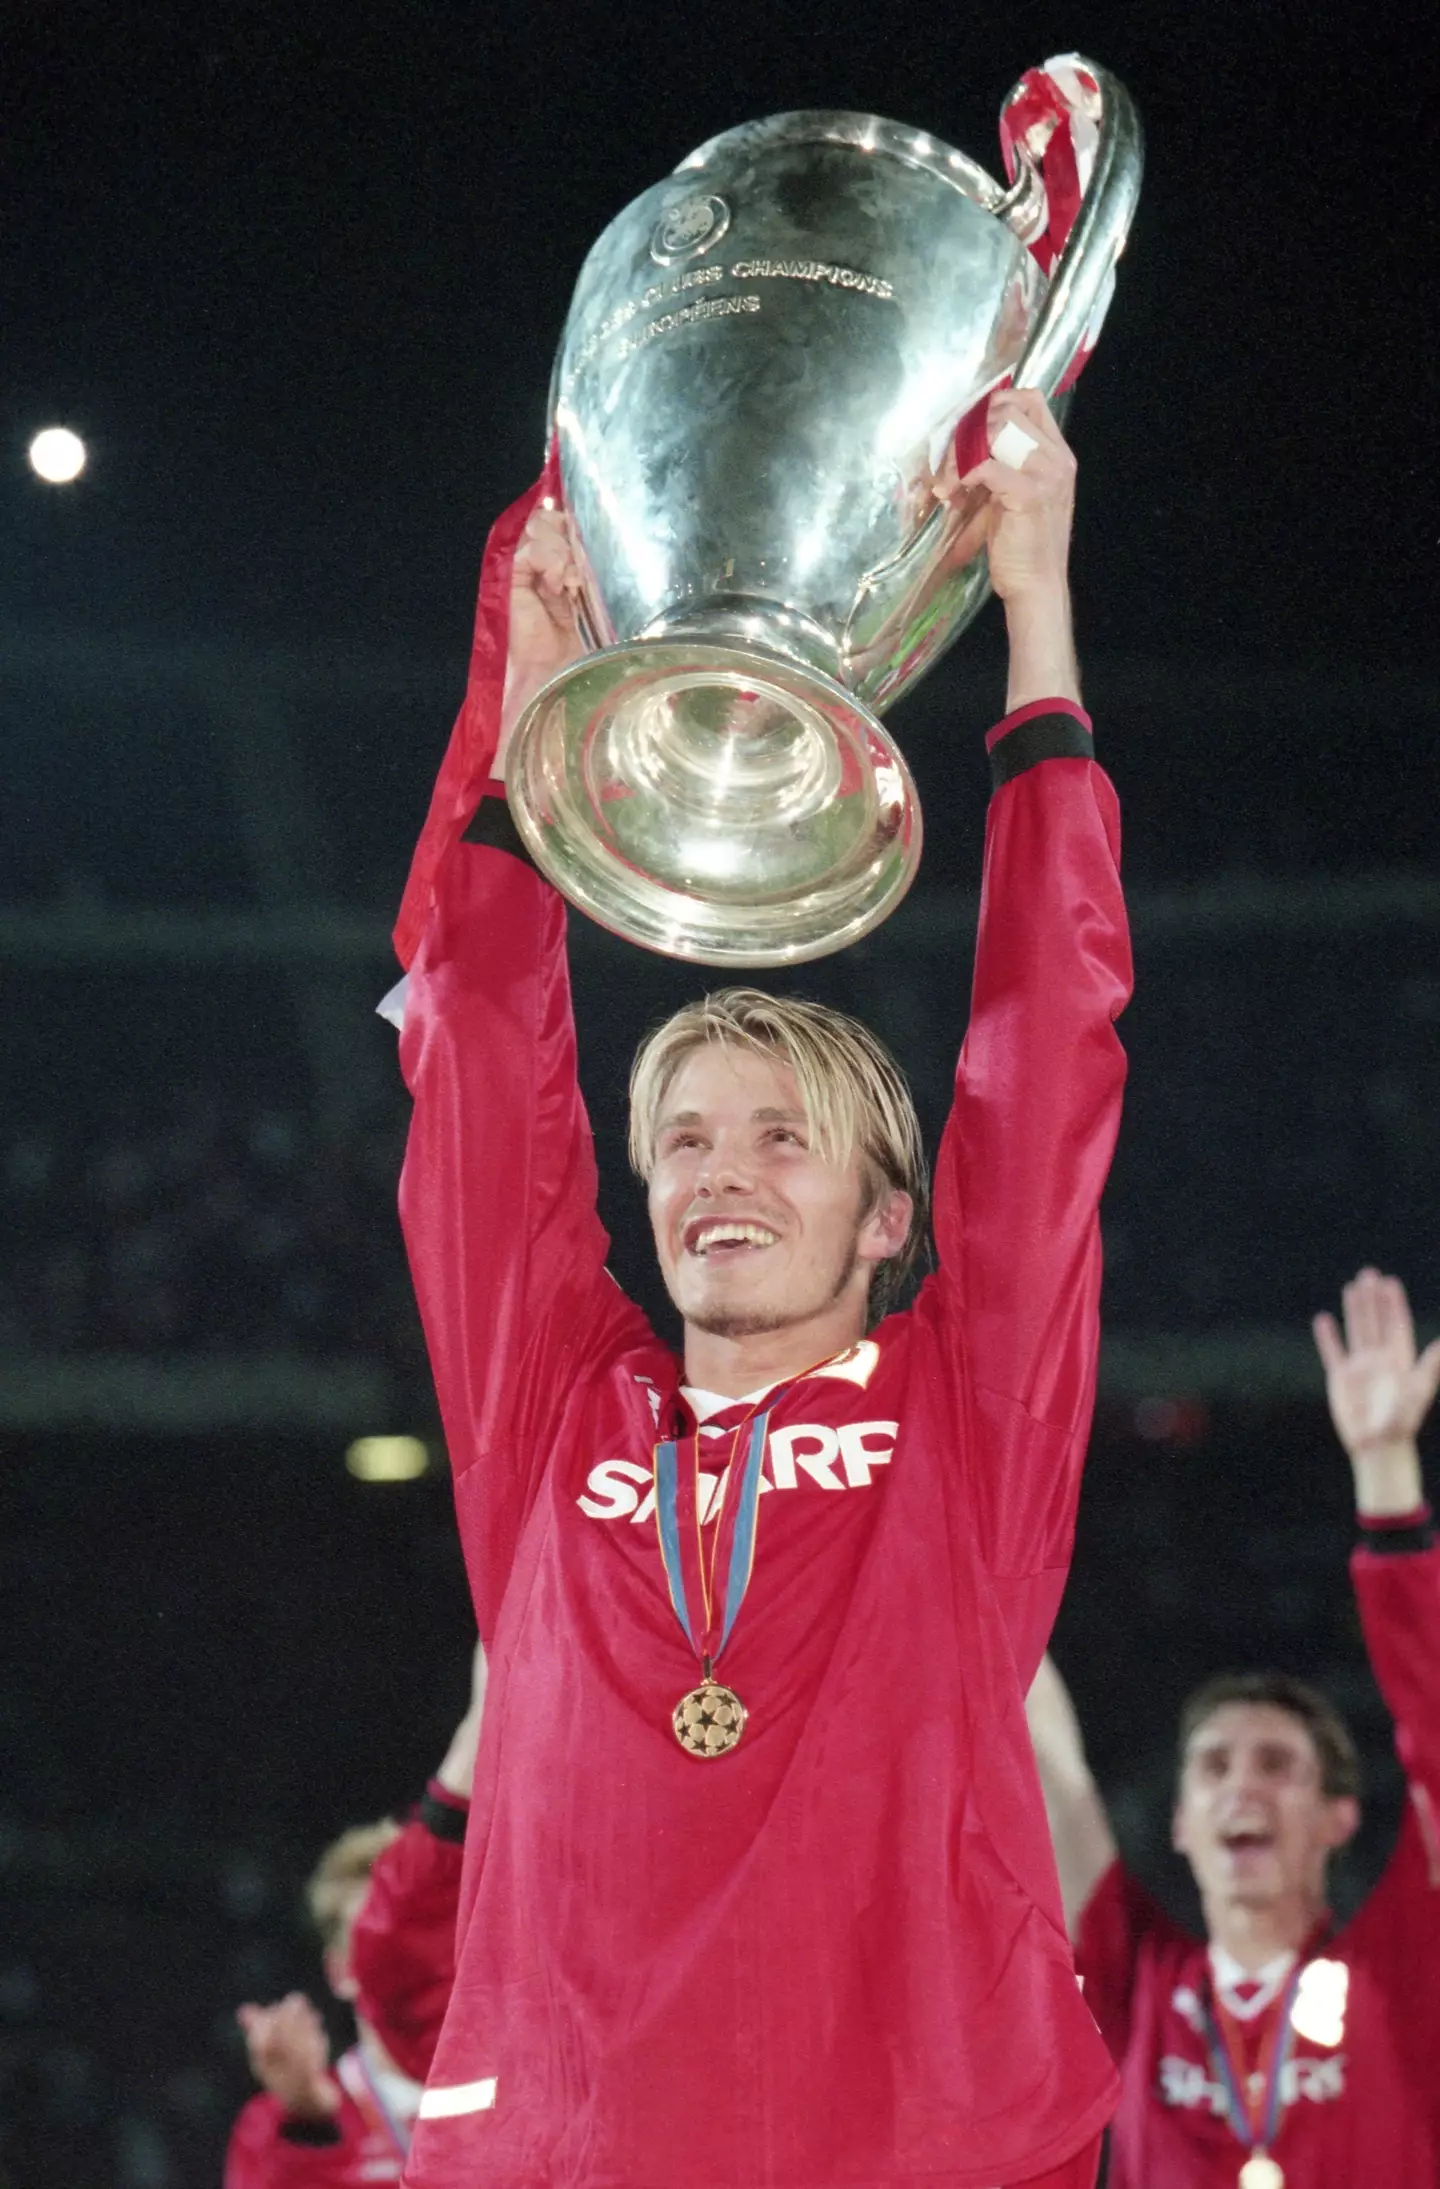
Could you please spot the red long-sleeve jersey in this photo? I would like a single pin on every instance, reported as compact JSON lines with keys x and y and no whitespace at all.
{"x":402,"y":1943}
{"x":402,"y":1957}
{"x":837,"y":1955}
{"x":1364,"y":2108}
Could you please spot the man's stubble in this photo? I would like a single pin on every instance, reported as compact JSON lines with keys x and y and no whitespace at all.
{"x":760,"y":1321}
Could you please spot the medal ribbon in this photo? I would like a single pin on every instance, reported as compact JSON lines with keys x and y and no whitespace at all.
{"x":1256,"y":2129}
{"x":707,"y":1592}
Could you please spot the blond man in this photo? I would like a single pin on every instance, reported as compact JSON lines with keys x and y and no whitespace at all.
{"x":382,"y":1898}
{"x":312,"y":2126}
{"x":758,"y":1890}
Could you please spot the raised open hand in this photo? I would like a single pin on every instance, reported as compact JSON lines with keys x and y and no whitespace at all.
{"x":1379,"y":1389}
{"x":290,"y":2056}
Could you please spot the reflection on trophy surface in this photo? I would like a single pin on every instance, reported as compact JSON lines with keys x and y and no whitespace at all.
{"x":767,"y":377}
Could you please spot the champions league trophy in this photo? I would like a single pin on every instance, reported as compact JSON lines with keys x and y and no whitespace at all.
{"x":770,"y":360}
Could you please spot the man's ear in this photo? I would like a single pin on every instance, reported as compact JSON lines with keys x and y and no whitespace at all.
{"x":1177,"y":1831}
{"x":1342,"y":1821}
{"x":887,"y":1227}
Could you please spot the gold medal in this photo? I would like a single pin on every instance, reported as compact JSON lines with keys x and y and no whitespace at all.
{"x":1261,"y":2172}
{"x":709,"y":1721}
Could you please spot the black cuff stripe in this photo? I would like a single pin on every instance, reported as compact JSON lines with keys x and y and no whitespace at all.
{"x":446,"y":1823}
{"x":1042,"y":737}
{"x":1388,"y":1541}
{"x":317,"y":2133}
{"x":494,"y":825}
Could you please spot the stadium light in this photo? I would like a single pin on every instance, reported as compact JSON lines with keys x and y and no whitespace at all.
{"x":387,"y":1459}
{"x":57,"y":455}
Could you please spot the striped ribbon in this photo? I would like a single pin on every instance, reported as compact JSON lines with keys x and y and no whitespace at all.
{"x":708,"y":1583}
{"x":1255,"y":2127}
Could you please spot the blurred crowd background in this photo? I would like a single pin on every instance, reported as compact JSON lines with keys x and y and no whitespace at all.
{"x":227,"y":1646}
{"x":299,"y":281}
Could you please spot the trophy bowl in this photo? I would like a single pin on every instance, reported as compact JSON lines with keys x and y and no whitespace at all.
{"x":766,"y":364}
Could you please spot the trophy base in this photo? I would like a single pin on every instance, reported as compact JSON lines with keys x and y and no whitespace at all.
{"x":714,"y":803}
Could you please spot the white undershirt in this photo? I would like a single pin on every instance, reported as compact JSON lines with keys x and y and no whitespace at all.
{"x":1227,"y":1973}
{"x":397,"y":2094}
{"x":703,"y":1404}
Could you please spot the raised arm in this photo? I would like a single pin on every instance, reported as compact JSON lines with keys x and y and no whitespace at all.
{"x":1079,"y":1828}
{"x":1038,"y":1088}
{"x":1111,"y":1918}
{"x":497,"y":1198}
{"x":289,"y":2137}
{"x":1380,"y":1391}
{"x":402,"y":1944}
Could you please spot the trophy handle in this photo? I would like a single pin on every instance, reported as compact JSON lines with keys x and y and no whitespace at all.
{"x":1024,"y":207}
{"x":1081,"y":283}
{"x":940,"y":579}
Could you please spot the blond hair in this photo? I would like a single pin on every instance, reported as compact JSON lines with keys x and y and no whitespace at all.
{"x":853,"y":1093}
{"x":345,"y":1864}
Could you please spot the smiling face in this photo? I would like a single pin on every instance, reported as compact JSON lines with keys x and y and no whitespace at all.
{"x":755,"y":1230}
{"x":1252,"y":1816}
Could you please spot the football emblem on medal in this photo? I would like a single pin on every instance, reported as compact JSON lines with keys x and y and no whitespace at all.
{"x":709,"y":1720}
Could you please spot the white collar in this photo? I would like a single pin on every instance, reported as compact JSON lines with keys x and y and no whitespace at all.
{"x":704,"y":1404}
{"x":1227,"y":1973}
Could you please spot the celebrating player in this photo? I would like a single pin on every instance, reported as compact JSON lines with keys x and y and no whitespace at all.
{"x":1284,"y":2051}
{"x":309,"y":2128}
{"x":759,"y":1889}
{"x":384,"y":1899}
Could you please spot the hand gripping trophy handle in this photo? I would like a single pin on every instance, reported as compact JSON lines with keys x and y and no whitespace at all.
{"x":768,"y":359}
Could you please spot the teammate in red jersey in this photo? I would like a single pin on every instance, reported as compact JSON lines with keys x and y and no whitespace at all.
{"x":832,"y":1951}
{"x":402,"y":1942}
{"x":1284,"y":2051}
{"x":384,"y":1900}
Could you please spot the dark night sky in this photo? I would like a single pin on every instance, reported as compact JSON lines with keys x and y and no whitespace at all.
{"x":298,"y":275}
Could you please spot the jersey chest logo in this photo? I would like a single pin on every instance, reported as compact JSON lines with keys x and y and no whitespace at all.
{"x":1189,"y":2085}
{"x":803,"y":1455}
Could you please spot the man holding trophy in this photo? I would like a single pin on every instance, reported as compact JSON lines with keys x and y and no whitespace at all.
{"x":823,"y":1549}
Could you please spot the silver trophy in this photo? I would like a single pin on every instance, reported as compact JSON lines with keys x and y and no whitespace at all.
{"x":760,"y":382}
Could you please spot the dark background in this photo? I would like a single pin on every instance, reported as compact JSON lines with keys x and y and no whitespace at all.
{"x":297,"y":278}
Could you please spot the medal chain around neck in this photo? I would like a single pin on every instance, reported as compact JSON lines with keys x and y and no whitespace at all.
{"x":707,"y":1591}
{"x":1254,"y":2127}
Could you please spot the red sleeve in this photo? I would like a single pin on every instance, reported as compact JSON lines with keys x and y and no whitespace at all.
{"x":1119,"y":1921}
{"x":1399,"y":1598}
{"x":476,"y":734}
{"x":1027,"y":1147}
{"x":497,"y":1195}
{"x":402,"y":1945}
{"x":260,"y":2157}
